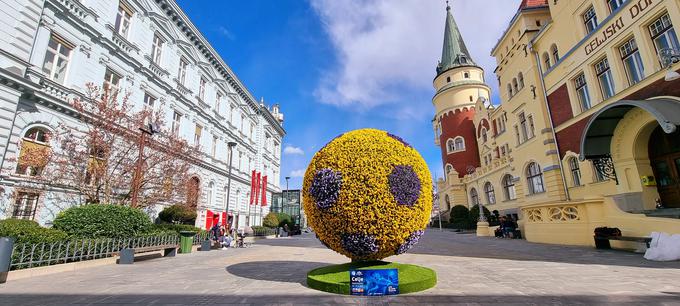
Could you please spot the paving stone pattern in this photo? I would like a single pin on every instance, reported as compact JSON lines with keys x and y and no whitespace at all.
{"x":471,"y":271}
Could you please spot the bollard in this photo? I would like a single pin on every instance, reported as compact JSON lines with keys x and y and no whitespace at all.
{"x":6,"y":247}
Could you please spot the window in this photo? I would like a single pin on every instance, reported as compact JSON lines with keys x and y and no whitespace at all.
{"x":604,"y":77}
{"x":484,"y":135}
{"x":615,"y":4}
{"x":34,"y":146}
{"x":515,"y":87}
{"x":197,"y":135}
{"x":509,"y":187}
{"x":232,"y":110}
{"x":526,"y":127}
{"x":546,"y":61}
{"x":632,"y":61}
{"x":176,"y":121}
{"x":555,"y":53}
{"x":149,"y":100}
{"x":490,"y":194}
{"x":449,"y":168}
{"x":459,"y":143}
{"x":111,"y":81}
{"x":509,"y":91}
{"x":474,"y":196}
{"x":123,"y":17}
{"x":213,"y":151}
{"x":534,"y":179}
{"x":520,"y":79}
{"x":218,"y":102}
{"x":157,"y":49}
{"x":582,"y":91}
{"x":450,"y":146}
{"x":466,"y":75}
{"x":182,"y":73}
{"x":252,"y":132}
{"x":56,"y":59}
{"x":448,"y":79}
{"x":201,"y":88}
{"x":25,"y":205}
{"x":575,"y":171}
{"x":243,"y":122}
{"x":590,"y":20}
{"x":210,"y":191}
{"x":663,"y":34}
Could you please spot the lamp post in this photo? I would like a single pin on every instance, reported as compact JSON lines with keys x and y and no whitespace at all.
{"x":150,"y":129}
{"x":231,"y":146}
{"x":670,"y":57}
{"x":482,"y":225}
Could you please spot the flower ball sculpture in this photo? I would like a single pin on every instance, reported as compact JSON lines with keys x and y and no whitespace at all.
{"x":368,"y":195}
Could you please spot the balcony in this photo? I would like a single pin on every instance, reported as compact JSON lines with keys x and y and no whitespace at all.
{"x":156,"y":69}
{"x":182,"y":89}
{"x":121,"y":42}
{"x":75,"y":8}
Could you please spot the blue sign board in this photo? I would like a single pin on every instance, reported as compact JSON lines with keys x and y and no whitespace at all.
{"x":374,"y":282}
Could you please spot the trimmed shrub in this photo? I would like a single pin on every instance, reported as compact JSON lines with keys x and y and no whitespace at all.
{"x":285,"y":218}
{"x":103,"y":221}
{"x":271,"y":220}
{"x":27,"y":231}
{"x":474,"y":215}
{"x":176,"y":228}
{"x":178,"y":213}
{"x":460,"y":217}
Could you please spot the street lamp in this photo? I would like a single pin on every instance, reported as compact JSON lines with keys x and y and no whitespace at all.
{"x":669,"y":57}
{"x":150,"y":129}
{"x":231,"y":146}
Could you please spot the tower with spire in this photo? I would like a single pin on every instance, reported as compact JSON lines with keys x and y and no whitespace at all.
{"x":459,"y":84}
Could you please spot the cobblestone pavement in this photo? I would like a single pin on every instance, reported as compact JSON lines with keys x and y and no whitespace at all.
{"x":471,"y":270}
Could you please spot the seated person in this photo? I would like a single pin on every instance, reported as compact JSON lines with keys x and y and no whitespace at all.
{"x":508,"y":227}
{"x":225,"y":239}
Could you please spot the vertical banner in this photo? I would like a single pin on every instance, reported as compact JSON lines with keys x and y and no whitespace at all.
{"x":252,"y":188}
{"x":264,"y":191}
{"x":208,"y":219}
{"x":257,"y":188}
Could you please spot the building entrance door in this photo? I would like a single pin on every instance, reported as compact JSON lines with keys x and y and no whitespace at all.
{"x":664,"y":156}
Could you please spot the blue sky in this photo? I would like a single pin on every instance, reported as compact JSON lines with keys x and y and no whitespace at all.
{"x":340,"y":65}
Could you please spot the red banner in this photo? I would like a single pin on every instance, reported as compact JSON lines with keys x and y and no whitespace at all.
{"x":264,"y":191}
{"x":257,"y":189}
{"x":252,"y":188}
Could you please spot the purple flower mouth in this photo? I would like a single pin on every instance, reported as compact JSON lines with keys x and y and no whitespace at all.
{"x":326,"y":187}
{"x":399,"y":139}
{"x":360,"y":245}
{"x":404,"y":185}
{"x":410,"y":242}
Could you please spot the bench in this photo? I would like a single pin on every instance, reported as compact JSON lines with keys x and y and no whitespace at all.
{"x":602,"y":242}
{"x":127,"y":255}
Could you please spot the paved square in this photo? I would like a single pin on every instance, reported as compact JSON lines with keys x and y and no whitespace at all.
{"x":471,"y":270}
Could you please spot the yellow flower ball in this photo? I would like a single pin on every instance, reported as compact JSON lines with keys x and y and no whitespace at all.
{"x":368,"y":195}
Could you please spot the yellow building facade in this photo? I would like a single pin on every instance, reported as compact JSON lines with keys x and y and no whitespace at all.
{"x":586,"y":134}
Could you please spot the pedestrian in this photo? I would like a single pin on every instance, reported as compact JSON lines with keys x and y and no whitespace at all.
{"x":215,"y":232}
{"x":508,"y":227}
{"x":225,"y":238}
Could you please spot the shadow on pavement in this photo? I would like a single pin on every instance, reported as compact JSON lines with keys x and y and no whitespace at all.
{"x":275,"y":271}
{"x":326,"y":299}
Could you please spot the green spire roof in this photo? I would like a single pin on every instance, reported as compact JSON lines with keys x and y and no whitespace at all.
{"x":455,"y":53}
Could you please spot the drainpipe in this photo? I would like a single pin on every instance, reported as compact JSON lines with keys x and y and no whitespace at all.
{"x":550,"y":119}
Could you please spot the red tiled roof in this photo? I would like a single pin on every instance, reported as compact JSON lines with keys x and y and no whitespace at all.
{"x":532,"y":3}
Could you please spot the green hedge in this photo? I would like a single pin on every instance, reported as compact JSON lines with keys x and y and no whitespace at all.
{"x":460,"y":218}
{"x":103,"y":221}
{"x":178,"y":214}
{"x":27,"y":231}
{"x":285,"y":218}
{"x":176,"y":228}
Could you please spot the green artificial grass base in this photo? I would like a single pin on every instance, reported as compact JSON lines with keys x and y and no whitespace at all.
{"x":335,"y":278}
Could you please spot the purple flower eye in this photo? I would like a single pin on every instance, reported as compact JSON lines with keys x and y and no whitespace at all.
{"x":410,"y":242}
{"x":360,"y":245}
{"x":326,"y":187}
{"x":397,"y":138}
{"x":404,"y":185}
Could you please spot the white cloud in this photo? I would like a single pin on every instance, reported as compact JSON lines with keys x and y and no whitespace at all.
{"x":297,"y":173}
{"x":388,"y":48}
{"x":291,"y":150}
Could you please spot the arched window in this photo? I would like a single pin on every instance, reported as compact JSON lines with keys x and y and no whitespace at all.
{"x":546,"y":60}
{"x":509,"y":187}
{"x":448,"y":79}
{"x":450,"y":146}
{"x":210,"y":192}
{"x":490,"y":194}
{"x":34,"y":153}
{"x":555,"y":53}
{"x":449,"y":168}
{"x":484,"y":135}
{"x":509,"y":91}
{"x":459,"y":143}
{"x":520,"y":79}
{"x":515,"y":87}
{"x":466,"y":75}
{"x":535,"y":178}
{"x":474,"y":196}
{"x":575,"y":171}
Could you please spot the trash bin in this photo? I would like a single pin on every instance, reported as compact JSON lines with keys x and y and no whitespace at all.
{"x":186,"y":241}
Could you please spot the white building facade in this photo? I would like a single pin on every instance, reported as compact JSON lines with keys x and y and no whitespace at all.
{"x":50,"y":50}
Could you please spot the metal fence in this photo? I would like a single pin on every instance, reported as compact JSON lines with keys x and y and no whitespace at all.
{"x":26,"y":255}
{"x":260,"y":232}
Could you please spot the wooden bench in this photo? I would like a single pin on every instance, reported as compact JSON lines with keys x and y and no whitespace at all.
{"x":127,"y":255}
{"x":602,"y":242}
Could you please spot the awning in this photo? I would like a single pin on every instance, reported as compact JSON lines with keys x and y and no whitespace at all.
{"x":598,"y":133}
